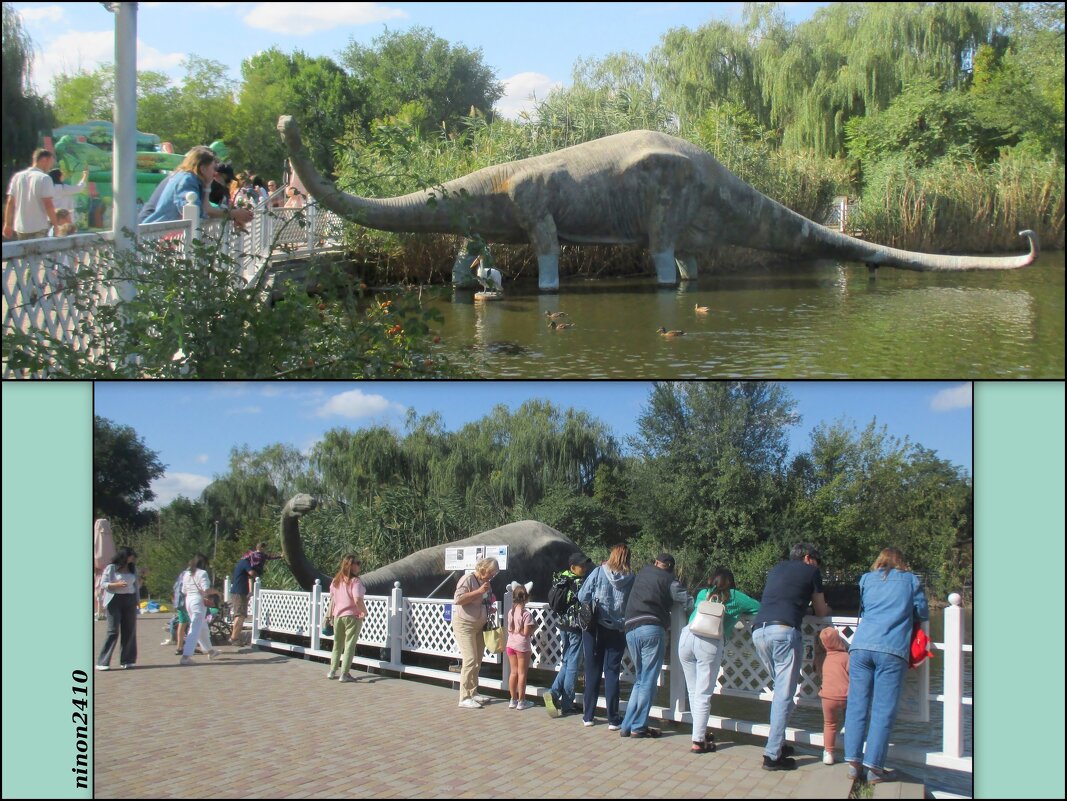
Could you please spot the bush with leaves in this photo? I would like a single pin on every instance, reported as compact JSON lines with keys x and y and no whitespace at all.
{"x":191,"y":315}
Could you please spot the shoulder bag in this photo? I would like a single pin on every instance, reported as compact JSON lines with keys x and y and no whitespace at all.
{"x":709,"y":619}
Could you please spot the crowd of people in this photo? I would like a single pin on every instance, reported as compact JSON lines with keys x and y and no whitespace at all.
{"x":40,"y":203}
{"x":600,"y":612}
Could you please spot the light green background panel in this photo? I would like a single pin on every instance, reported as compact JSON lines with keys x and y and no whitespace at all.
{"x":47,"y":596}
{"x":1019,"y":590}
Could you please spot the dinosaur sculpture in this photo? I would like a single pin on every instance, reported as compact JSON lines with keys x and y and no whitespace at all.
{"x":535,"y":552}
{"x":637,"y":188}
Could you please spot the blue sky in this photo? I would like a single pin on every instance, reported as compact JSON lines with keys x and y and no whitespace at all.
{"x":194,"y":425}
{"x":531,"y":46}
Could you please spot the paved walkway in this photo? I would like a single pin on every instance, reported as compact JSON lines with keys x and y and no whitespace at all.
{"x":256,"y":724}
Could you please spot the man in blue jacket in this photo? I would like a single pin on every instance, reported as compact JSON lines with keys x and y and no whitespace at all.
{"x":559,"y":700}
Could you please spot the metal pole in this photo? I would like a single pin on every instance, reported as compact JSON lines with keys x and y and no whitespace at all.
{"x":124,"y":156}
{"x":215,"y":553}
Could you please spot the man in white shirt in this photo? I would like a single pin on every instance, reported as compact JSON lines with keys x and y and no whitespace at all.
{"x":30,"y":210}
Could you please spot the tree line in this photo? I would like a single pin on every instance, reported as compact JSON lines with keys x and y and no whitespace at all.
{"x":707,"y":476}
{"x":947,"y":119}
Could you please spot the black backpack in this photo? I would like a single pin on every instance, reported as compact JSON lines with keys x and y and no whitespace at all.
{"x":559,"y":595}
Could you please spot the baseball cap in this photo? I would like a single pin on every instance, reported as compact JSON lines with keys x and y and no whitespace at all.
{"x":666,"y":559}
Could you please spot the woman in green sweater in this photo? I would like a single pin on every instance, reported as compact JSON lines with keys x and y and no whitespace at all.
{"x":701,"y":656}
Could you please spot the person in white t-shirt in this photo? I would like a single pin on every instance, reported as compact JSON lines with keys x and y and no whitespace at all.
{"x":30,"y":210}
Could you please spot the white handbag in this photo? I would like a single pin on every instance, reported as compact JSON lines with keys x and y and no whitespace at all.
{"x":709,"y":620}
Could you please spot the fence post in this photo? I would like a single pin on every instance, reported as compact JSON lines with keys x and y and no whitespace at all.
{"x":312,"y":224}
{"x":953,"y":686}
{"x":395,"y":628}
{"x":255,"y":610}
{"x":504,"y":616}
{"x":316,"y":616}
{"x":676,"y":677}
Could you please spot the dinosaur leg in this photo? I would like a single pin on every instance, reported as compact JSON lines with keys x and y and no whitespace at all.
{"x":532,"y":213}
{"x":687,"y":266}
{"x":461,"y":267}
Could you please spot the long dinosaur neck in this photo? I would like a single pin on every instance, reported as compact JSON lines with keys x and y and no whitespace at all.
{"x":435,"y":210}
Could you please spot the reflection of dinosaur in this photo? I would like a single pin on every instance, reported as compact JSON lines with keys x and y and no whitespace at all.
{"x":638,"y":188}
{"x":535,"y":552}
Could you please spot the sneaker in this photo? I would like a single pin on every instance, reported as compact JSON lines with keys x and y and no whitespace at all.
{"x":875,"y":776}
{"x":649,"y":732}
{"x":483,"y":699}
{"x":855,"y":771}
{"x":782,"y":763}
{"x":614,"y":727}
{"x":103,"y":667}
{"x":469,"y":703}
{"x":347,"y":677}
{"x":787,"y":751}
{"x":524,"y":705}
{"x":214,"y":653}
{"x":550,"y":705}
{"x":126,"y":665}
{"x":167,"y":642}
{"x":828,"y":757}
{"x":588,"y":723}
{"x":332,"y":674}
{"x":512,"y":703}
{"x":187,"y":660}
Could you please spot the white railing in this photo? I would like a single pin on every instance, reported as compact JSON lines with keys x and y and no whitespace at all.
{"x":418,"y":625}
{"x":39,"y":272}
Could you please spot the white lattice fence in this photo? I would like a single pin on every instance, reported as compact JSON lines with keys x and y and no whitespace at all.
{"x":375,"y":628}
{"x":284,"y":611}
{"x":427,"y":632}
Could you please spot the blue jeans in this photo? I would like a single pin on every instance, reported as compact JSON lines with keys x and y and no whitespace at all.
{"x":563,"y":687}
{"x":701,"y":658}
{"x":646,"y":644}
{"x":603,"y":655}
{"x":779,"y":649}
{"x":875,"y":680}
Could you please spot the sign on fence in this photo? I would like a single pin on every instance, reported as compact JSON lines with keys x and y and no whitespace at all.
{"x":468,"y":556}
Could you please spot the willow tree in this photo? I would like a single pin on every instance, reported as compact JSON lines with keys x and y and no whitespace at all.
{"x":850,"y":59}
{"x":712,"y":65}
{"x":24,"y":112}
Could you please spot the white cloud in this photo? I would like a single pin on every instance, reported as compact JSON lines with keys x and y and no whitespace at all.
{"x":959,"y":397}
{"x":518,"y":90}
{"x":203,"y":458}
{"x":245,"y":410}
{"x":304,"y":18}
{"x":87,"y":50}
{"x":171,"y":485}
{"x":354,"y":403}
{"x":42,"y":14}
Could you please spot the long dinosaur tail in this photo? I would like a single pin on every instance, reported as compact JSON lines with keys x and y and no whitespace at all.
{"x":783,"y":230}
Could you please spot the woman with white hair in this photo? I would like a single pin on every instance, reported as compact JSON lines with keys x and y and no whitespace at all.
{"x":472,"y":603}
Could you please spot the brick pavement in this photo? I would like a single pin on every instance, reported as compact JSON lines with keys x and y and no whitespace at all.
{"x":256,"y":724}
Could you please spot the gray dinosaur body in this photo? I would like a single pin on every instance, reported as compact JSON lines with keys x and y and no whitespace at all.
{"x":639,"y":188}
{"x":535,"y":552}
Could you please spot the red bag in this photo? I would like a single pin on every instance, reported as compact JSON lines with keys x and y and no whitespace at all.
{"x":920,"y":646}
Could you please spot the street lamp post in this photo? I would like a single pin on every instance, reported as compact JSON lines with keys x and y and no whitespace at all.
{"x":215,"y":553}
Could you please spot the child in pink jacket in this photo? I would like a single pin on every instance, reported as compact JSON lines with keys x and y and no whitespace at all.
{"x":831,"y":663}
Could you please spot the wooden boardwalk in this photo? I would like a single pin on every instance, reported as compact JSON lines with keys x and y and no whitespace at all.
{"x":257,"y":724}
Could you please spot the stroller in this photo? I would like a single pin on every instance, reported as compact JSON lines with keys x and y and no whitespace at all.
{"x":220,"y":622}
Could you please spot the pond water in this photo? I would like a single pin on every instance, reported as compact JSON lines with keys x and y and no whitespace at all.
{"x":822,"y":320}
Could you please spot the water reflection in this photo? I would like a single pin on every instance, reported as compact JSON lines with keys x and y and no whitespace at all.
{"x":822,"y":321}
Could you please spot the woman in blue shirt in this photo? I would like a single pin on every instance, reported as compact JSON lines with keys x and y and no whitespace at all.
{"x":891,"y":599}
{"x":194,"y":174}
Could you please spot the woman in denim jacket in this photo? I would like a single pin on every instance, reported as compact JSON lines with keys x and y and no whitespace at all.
{"x":891,"y":599}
